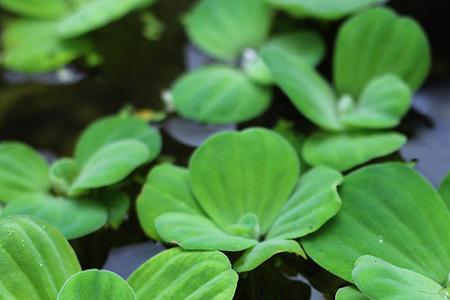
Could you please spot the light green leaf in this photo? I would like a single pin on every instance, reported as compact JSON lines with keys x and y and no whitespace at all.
{"x":343,"y":151}
{"x":113,"y":129}
{"x":98,"y":285}
{"x":313,"y":203}
{"x":43,"y":9}
{"x":444,"y":190}
{"x":167,"y":190}
{"x":94,"y":14}
{"x":237,"y":25}
{"x":219,"y":94}
{"x":379,"y":279}
{"x":74,"y":218}
{"x":323,"y":9}
{"x":35,"y":259}
{"x":350,"y":293}
{"x":193,"y":232}
{"x":378,"y":42}
{"x":63,"y":173}
{"x":307,"y":90}
{"x":117,"y":204}
{"x":177,"y":275}
{"x":23,"y":172}
{"x":235,"y":173}
{"x":391,"y":212}
{"x":258,"y":254}
{"x":32,"y":46}
{"x":384,"y":101}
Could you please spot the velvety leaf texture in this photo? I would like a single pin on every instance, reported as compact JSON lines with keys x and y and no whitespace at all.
{"x":35,"y":260}
{"x":177,"y":275}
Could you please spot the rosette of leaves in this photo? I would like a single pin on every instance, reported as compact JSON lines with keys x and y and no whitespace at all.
{"x":39,"y":264}
{"x":391,"y":238}
{"x":242,"y":191}
{"x":51,"y":33}
{"x":78,"y":195}
{"x":380,"y":60}
{"x":236,"y":87}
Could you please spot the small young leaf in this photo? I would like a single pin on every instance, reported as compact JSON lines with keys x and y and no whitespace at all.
{"x":391,"y":212}
{"x":378,"y":42}
{"x":350,"y":293}
{"x":42,"y":9}
{"x":262,"y":251}
{"x":98,"y":285}
{"x":23,"y":172}
{"x":63,"y":173}
{"x":444,"y":190}
{"x":219,"y":94}
{"x":178,"y":275}
{"x":343,"y":151}
{"x":379,"y":279}
{"x":237,"y":25}
{"x":35,"y":259}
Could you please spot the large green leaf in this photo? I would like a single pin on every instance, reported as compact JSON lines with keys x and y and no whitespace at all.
{"x":94,"y":14}
{"x":23,"y":172}
{"x":350,"y":293}
{"x":236,"y":173}
{"x":323,"y":9}
{"x":379,"y":42}
{"x":98,"y":285}
{"x":444,"y":190}
{"x":74,"y":218}
{"x":379,"y":279}
{"x":262,"y":251}
{"x":193,"y":232}
{"x":167,"y":190}
{"x":219,"y":94}
{"x":237,"y":25}
{"x":307,"y":90}
{"x":35,"y":260}
{"x":382,"y":104}
{"x":32,"y":46}
{"x":391,"y":212}
{"x":178,"y":275}
{"x":113,"y":129}
{"x":343,"y":151}
{"x":45,"y":9}
{"x":313,"y":203}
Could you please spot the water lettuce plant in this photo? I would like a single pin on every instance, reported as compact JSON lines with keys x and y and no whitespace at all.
{"x":51,"y":33}
{"x":46,"y":268}
{"x":242,"y":191}
{"x":78,"y":195}
{"x":379,"y":61}
{"x":236,"y":87}
{"x":391,"y":238}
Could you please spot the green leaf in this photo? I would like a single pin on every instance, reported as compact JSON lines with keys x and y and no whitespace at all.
{"x":350,"y":293}
{"x":177,"y":275}
{"x":384,"y":101}
{"x":378,"y":42}
{"x":95,"y":14}
{"x":74,"y":218}
{"x":237,"y":25}
{"x":35,"y":259}
{"x":193,"y":232}
{"x":444,"y":190}
{"x":391,"y":212}
{"x":167,"y":190}
{"x":313,"y":203}
{"x":23,"y":172}
{"x":379,"y":279}
{"x":235,"y":173}
{"x":63,"y":173}
{"x":219,"y":94}
{"x":95,"y":284}
{"x":117,"y":204}
{"x":343,"y":151}
{"x":45,"y":9}
{"x":113,"y":129}
{"x":262,"y":251}
{"x":32,"y":46}
{"x":306,"y":88}
{"x":323,"y":9}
